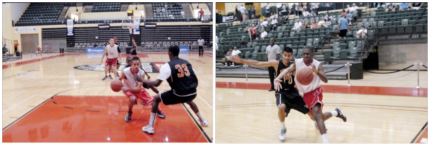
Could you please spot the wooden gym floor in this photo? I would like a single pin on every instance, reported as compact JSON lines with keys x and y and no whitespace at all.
{"x":47,"y":100}
{"x":379,"y":108}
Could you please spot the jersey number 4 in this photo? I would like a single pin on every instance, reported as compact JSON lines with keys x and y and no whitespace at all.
{"x":183,"y":70}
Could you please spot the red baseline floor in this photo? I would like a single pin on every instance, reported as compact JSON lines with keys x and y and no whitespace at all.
{"x":395,"y":91}
{"x":100,"y":119}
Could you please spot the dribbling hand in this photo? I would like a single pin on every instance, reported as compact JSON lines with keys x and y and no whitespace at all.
{"x":277,"y":84}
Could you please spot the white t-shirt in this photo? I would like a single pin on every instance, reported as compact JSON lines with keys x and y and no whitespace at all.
{"x":321,"y":22}
{"x":131,"y":78}
{"x":235,"y":52}
{"x":272,"y":51}
{"x":306,"y":14}
{"x":274,"y":21}
{"x":297,"y":24}
{"x":112,"y":51}
{"x":242,"y":9}
{"x":201,"y":42}
{"x":353,"y":8}
{"x":299,"y":63}
{"x":165,"y":72}
{"x":263,"y":34}
{"x":360,"y":32}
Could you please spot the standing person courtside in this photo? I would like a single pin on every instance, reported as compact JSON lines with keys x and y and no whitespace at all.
{"x":16,"y":48}
{"x":272,"y":53}
{"x":201,"y":14}
{"x":201,"y":43}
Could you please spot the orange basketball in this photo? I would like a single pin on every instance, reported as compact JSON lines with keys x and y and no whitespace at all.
{"x":116,"y":85}
{"x":305,"y":76}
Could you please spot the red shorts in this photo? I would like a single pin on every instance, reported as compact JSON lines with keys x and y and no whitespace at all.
{"x":142,"y":95}
{"x":313,"y":97}
{"x":111,"y":62}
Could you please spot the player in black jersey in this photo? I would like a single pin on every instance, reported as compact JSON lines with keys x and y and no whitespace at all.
{"x":288,"y":98}
{"x":181,"y":77}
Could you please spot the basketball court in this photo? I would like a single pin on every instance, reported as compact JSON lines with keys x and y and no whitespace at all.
{"x":61,"y":98}
{"x":381,"y":108}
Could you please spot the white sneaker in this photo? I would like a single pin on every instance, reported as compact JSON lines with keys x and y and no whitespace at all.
{"x":282,"y":135}
{"x":148,"y":129}
{"x":225,"y":65}
{"x":232,"y":64}
{"x":204,"y":123}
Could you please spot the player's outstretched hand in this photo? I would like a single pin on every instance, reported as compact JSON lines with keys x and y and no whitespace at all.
{"x":236,"y":59}
{"x":125,"y":89}
{"x":277,"y":84}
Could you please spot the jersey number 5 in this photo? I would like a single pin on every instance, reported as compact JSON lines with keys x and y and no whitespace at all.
{"x":183,"y":70}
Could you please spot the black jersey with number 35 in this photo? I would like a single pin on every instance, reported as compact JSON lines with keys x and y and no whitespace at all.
{"x":183,"y":80}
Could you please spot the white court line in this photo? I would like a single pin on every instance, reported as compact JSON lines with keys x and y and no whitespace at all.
{"x":206,"y":102}
{"x":18,"y":104}
{"x":423,"y":140}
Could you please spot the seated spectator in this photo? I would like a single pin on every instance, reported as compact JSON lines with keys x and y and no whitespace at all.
{"x":416,"y":6}
{"x":328,"y":23}
{"x":353,"y":8}
{"x":305,"y":13}
{"x":305,"y":24}
{"x":158,"y":10}
{"x":274,"y":22}
{"x":390,"y":7}
{"x":263,"y":34}
{"x":182,"y":13}
{"x":349,"y":18}
{"x":297,"y":25}
{"x":327,"y":16}
{"x":227,"y":59}
{"x":313,"y":13}
{"x":348,"y":8}
{"x":404,"y":6}
{"x":362,"y":32}
{"x":321,"y":23}
{"x":313,"y":24}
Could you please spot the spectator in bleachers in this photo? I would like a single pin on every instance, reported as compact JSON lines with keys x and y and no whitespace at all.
{"x":235,"y":52}
{"x":274,"y":21}
{"x":362,"y":32}
{"x":228,"y":58}
{"x":353,"y":8}
{"x":305,"y":13}
{"x":314,"y":6}
{"x":299,"y":8}
{"x":182,"y":13}
{"x":263,"y":34}
{"x":343,"y":13}
{"x":404,"y":6}
{"x":328,"y":23}
{"x":312,"y":14}
{"x":267,"y":9}
{"x":305,"y":24}
{"x":327,"y":16}
{"x":242,"y":9}
{"x":347,"y":8}
{"x":253,"y":12}
{"x":313,"y":24}
{"x":349,"y":17}
{"x":377,"y":5}
{"x":342,"y":27}
{"x":390,"y":7}
{"x":158,"y":10}
{"x":322,"y":23}
{"x":297,"y":25}
{"x":416,"y":6}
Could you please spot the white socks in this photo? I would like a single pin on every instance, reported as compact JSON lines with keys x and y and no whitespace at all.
{"x":200,"y":116}
{"x":152,"y":119}
{"x":334,"y":113}
{"x":324,"y":138}
{"x":283,"y":125}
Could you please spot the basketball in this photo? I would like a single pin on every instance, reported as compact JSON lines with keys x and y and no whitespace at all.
{"x":116,"y":85}
{"x":305,"y":76}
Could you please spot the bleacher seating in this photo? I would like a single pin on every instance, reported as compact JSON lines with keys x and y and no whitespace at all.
{"x":106,"y":7}
{"x":41,"y":14}
{"x":172,"y":10}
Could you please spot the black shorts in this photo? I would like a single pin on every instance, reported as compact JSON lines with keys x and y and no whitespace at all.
{"x":200,"y":47}
{"x":134,"y":52}
{"x":296,"y":103}
{"x":168,"y":97}
{"x":342,"y":33}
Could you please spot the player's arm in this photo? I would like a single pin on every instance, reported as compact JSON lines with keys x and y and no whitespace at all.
{"x":104,"y":53}
{"x":286,"y":71}
{"x":320,"y":73}
{"x":256,"y":63}
{"x":122,"y":76}
{"x":155,"y":83}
